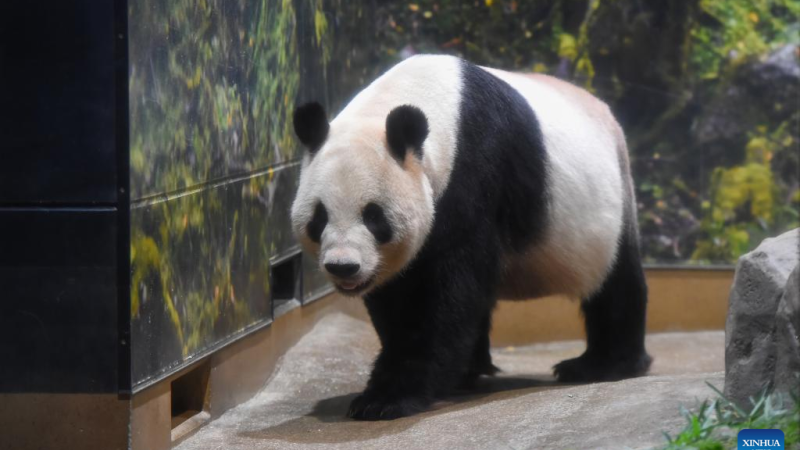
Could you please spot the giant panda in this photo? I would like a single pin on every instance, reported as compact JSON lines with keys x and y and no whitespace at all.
{"x":443,"y":186}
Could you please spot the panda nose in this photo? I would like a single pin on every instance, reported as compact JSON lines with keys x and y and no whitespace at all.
{"x":342,"y":270}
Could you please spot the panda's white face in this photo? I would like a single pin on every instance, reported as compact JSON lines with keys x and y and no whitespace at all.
{"x":360,"y":210}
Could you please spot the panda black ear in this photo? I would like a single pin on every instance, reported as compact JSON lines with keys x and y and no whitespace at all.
{"x":406,"y":126}
{"x":311,"y":125}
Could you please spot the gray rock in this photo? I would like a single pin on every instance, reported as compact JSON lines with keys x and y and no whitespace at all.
{"x":750,"y":331}
{"x":787,"y":336}
{"x":780,"y":68}
{"x":774,"y":83}
{"x":758,"y":92}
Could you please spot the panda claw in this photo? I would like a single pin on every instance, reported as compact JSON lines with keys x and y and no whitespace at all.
{"x":370,"y":407}
{"x":585,"y":369}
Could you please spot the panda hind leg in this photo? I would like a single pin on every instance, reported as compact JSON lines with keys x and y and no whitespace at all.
{"x":615,"y":325}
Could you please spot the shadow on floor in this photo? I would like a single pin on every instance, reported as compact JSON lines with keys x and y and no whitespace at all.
{"x":327,"y":422}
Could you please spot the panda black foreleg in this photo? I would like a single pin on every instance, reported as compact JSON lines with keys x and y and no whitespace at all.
{"x":615,"y":325}
{"x":429,"y":323}
{"x":481,"y":356}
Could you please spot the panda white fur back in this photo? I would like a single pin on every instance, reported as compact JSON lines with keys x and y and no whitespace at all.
{"x":583,"y":143}
{"x":442,"y":186}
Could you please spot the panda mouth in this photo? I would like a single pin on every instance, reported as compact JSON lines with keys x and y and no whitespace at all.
{"x":353,"y":287}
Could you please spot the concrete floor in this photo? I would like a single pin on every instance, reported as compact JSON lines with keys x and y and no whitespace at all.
{"x":303,"y":405}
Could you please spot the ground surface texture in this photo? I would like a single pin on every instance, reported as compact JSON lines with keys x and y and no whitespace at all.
{"x":303,"y":405}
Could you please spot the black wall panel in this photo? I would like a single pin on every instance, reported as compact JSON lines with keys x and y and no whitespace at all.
{"x":57,"y":97}
{"x":58,"y":311}
{"x":63,"y":189}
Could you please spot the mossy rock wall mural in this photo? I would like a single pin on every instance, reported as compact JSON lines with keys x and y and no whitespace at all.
{"x":214,"y":167}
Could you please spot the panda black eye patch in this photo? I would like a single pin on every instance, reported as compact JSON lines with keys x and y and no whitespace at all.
{"x":318,"y":222}
{"x":377,"y":223}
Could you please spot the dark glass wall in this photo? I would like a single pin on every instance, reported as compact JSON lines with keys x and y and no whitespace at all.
{"x":63,"y":197}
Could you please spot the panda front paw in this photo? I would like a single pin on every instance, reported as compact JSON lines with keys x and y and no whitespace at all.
{"x":585,"y":368}
{"x":368,"y":406}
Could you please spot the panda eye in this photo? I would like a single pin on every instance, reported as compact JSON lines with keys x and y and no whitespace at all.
{"x":318,"y":222}
{"x":377,"y":223}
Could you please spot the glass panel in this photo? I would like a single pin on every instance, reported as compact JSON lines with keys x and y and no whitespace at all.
{"x":211,"y":88}
{"x":200,"y":266}
{"x":213,"y":168}
{"x":315,"y":285}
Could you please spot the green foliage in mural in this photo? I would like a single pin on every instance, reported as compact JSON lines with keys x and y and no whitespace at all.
{"x":750,"y":28}
{"x":212,"y":86}
{"x":744,"y":202}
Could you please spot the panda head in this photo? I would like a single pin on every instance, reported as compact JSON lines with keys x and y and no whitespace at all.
{"x":364,"y":205}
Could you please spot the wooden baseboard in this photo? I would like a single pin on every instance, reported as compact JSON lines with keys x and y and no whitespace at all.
{"x":53,"y":421}
{"x":679,"y":300}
